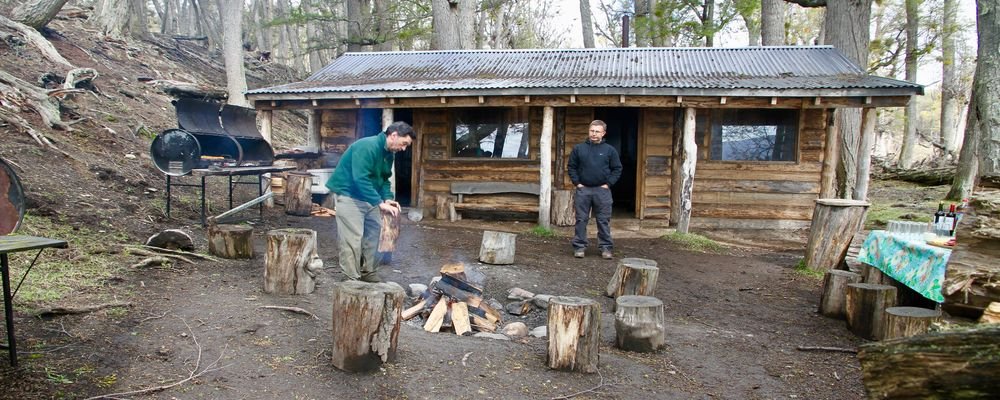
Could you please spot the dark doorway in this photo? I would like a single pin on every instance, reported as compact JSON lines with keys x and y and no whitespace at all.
{"x":623,"y":134}
{"x":370,"y":124}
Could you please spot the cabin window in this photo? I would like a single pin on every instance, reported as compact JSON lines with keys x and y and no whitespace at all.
{"x":491,"y":133}
{"x":752,"y":134}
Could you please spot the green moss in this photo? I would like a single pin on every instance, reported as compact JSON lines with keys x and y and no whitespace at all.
{"x":803,"y":269}
{"x":694,"y":242}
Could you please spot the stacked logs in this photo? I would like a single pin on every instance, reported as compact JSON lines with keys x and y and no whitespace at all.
{"x":455,"y":300}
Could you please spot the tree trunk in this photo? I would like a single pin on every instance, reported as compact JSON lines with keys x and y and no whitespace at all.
{"x":563,"y":211}
{"x":292,"y":264}
{"x":313,"y":40}
{"x":833,"y":303}
{"x":574,"y":329}
{"x":354,"y":22}
{"x":298,"y":194}
{"x":587,"y":23}
{"x":949,"y":84}
{"x":643,"y":23}
{"x":384,"y":18}
{"x":168,"y":22}
{"x":634,"y":276}
{"x":986,"y":85}
{"x":208,"y":26}
{"x":230,"y":241}
{"x":497,"y":248}
{"x":689,"y":156}
{"x":866,"y":304}
{"x":454,"y":22}
{"x":869,"y":118}
{"x":834,"y":224}
{"x":708,"y":22}
{"x":639,"y":323}
{"x":772,"y":22}
{"x":232,"y":50}
{"x":291,"y":37}
{"x":366,"y":320}
{"x":967,"y":171}
{"x":37,"y":13}
{"x":941,"y":365}
{"x":910,"y":138}
{"x":908,"y":321}
{"x":113,"y":18}
{"x":261,"y":32}
{"x":751,"y":19}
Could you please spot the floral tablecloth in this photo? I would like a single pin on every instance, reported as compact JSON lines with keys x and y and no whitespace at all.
{"x":917,"y":265}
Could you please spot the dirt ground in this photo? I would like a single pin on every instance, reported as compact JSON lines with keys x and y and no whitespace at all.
{"x":734,"y":321}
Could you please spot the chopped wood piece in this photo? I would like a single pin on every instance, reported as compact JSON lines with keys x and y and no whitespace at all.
{"x":411,"y":312}
{"x":453,"y":269}
{"x":436,"y":319}
{"x":497,"y":248}
{"x":634,"y":276}
{"x":389,"y":232}
{"x":460,"y":318}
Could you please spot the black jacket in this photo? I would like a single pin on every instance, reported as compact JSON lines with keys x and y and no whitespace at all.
{"x":594,"y":164}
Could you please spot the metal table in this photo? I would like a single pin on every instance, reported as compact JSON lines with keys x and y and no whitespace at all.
{"x":230,"y":173}
{"x":13,"y":244}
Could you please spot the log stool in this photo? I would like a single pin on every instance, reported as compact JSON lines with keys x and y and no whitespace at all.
{"x":366,"y":320}
{"x":574,"y":330}
{"x":908,"y":321}
{"x":291,"y":264}
{"x":865,"y":309}
{"x":639,"y":323}
{"x":497,"y":248}
{"x":832,"y":303}
{"x":634,"y":276}
{"x":298,"y":194}
{"x":230,"y":241}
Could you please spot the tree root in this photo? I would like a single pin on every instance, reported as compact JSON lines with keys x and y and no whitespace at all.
{"x":155,"y":255}
{"x":36,"y":39}
{"x":152,"y":261}
{"x":177,"y":252}
{"x":291,"y":309}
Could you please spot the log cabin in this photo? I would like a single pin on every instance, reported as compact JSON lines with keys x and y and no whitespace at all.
{"x":714,"y":137}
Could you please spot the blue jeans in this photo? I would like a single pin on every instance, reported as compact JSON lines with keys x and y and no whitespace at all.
{"x":599,"y":200}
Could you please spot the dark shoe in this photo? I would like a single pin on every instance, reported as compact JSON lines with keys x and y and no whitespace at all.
{"x":578,"y":253}
{"x":606,"y":254}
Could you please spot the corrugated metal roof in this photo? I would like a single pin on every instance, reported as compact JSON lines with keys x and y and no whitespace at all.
{"x":577,"y":71}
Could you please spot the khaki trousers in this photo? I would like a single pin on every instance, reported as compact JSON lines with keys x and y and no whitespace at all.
{"x":359,"y":225}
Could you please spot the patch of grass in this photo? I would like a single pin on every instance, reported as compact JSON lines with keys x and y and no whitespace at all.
{"x":694,"y":242}
{"x":879,"y":215}
{"x":803,"y":269}
{"x":542,"y":231}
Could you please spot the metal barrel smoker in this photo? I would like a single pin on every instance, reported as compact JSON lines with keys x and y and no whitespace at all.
{"x":210,"y":135}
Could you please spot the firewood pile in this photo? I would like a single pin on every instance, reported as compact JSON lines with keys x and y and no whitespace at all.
{"x":455,"y":301}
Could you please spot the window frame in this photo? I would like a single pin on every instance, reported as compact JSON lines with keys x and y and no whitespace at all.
{"x":708,"y":118}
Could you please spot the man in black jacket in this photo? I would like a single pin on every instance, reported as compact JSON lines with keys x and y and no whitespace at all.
{"x":593,"y":167}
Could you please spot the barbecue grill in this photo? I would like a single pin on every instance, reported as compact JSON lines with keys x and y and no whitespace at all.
{"x":210,"y":135}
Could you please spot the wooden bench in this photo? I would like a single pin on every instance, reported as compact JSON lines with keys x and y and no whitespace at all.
{"x":478,"y":196}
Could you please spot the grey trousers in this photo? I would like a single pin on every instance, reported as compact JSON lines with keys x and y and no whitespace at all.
{"x":359,"y":225}
{"x":599,"y":200}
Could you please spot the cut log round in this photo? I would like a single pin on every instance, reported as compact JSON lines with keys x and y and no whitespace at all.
{"x":639,"y":323}
{"x":574,"y":326}
{"x":298,"y":194}
{"x":563,"y":213}
{"x":291,"y":263}
{"x":497,"y":248}
{"x":366,"y":320}
{"x":833,"y":302}
{"x":634,"y":276}
{"x":389,"y":232}
{"x":866,"y":304}
{"x":908,"y":321}
{"x":834,"y":223}
{"x":230,"y":241}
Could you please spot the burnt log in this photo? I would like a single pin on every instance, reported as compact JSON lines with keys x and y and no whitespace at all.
{"x":866,"y":304}
{"x":834,"y":300}
{"x":639,"y":323}
{"x":574,"y":327}
{"x":634,"y":276}
{"x":291,"y":265}
{"x":230,"y":241}
{"x":366,"y":319}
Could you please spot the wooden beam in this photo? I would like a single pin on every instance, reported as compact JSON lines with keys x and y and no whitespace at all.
{"x":482,"y":99}
{"x":357,"y":102}
{"x":315,"y":138}
{"x":621,"y":99}
{"x":387,"y":119}
{"x":527,"y":99}
{"x":828,"y":176}
{"x":869,"y":118}
{"x":266,"y":122}
{"x":868,"y":99}
{"x":444,"y":100}
{"x":817,"y":101}
{"x":689,"y":156}
{"x":774,"y":100}
{"x":392,"y":100}
{"x":545,"y":170}
{"x":680,"y":99}
{"x":572,"y":99}
{"x":315,"y":103}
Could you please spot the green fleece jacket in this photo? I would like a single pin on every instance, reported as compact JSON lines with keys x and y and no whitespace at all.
{"x":364,"y":170}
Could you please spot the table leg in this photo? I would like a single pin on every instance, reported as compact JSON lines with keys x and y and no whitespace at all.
{"x":8,"y":309}
{"x":260,"y":192}
{"x":168,"y":196}
{"x":203,"y":201}
{"x":231,"y":192}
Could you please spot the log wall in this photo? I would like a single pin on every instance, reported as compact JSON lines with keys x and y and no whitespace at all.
{"x":656,"y":131}
{"x":338,"y":129}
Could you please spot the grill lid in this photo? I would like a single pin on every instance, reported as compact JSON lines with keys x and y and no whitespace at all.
{"x":11,"y":199}
{"x":199,"y":116}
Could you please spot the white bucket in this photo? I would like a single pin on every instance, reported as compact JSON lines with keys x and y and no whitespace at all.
{"x":320,"y":176}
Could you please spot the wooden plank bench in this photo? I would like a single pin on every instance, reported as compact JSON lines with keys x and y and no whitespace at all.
{"x":469,"y":192}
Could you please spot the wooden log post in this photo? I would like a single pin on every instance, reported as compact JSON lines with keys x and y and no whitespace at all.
{"x":639,"y":323}
{"x":440,"y":206}
{"x":366,"y":319}
{"x":291,"y":264}
{"x":688,"y":157}
{"x":574,"y":331}
{"x":634,"y":276}
{"x":497,"y":248}
{"x":834,"y":223}
{"x":936,"y":365}
{"x":865,"y":309}
{"x":834,"y":299}
{"x":563,"y":212}
{"x":908,"y":321}
{"x":298,"y":194}
{"x":545,"y":169}
{"x":230,"y":241}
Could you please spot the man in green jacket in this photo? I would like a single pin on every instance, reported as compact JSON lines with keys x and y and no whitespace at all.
{"x":362,"y":191}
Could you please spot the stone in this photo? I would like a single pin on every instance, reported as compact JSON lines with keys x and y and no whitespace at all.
{"x":416,"y":289}
{"x":495,"y":336}
{"x":542,"y":301}
{"x":519,"y":294}
{"x":515,"y":329}
{"x":415,"y":214}
{"x":539,"y":332}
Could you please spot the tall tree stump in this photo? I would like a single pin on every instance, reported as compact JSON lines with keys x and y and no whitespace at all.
{"x":366,"y":320}
{"x":908,"y":321}
{"x":574,"y":328}
{"x":834,"y":300}
{"x":639,"y":323}
{"x":874,"y":275}
{"x":298,"y":194}
{"x":230,"y":241}
{"x":834,"y":223}
{"x":497,"y":248}
{"x":634,"y":276}
{"x":563,"y":212}
{"x":866,"y":304}
{"x":291,"y":264}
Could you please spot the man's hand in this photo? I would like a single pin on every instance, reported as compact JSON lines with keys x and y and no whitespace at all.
{"x":579,"y":185}
{"x":390,"y":206}
{"x":605,"y":186}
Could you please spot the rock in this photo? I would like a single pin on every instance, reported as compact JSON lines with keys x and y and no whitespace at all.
{"x":539,"y":332}
{"x":542,"y":301}
{"x":522,"y":307}
{"x":494,"y":304}
{"x":991,"y":315}
{"x":519,"y":294}
{"x":415,"y":214}
{"x":515,"y":329}
{"x":416,"y":289}
{"x":488,"y":335}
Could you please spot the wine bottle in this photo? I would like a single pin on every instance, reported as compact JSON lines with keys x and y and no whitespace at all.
{"x":949,"y":221}
{"x":938,"y":219}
